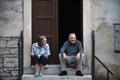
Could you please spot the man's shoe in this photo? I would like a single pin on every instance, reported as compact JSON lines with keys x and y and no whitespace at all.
{"x":78,"y":73}
{"x":63,"y":73}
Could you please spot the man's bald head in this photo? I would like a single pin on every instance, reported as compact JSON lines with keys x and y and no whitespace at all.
{"x":72,"y":38}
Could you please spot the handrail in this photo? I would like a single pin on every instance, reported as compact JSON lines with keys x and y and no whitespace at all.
{"x":20,"y":56}
{"x":108,"y":70}
{"x":104,"y":65}
{"x":95,"y":57}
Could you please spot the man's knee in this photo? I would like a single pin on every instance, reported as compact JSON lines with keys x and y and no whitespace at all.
{"x":60,"y":55}
{"x":83,"y":59}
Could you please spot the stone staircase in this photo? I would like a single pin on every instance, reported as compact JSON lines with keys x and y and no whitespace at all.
{"x":56,"y":77}
{"x":51,"y":73}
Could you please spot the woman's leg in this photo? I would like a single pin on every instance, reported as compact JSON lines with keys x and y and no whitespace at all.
{"x":41,"y":69}
{"x":37,"y":67}
{"x":43,"y":62}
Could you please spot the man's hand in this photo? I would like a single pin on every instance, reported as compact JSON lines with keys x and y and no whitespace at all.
{"x":78,"y":56}
{"x":64,"y":56}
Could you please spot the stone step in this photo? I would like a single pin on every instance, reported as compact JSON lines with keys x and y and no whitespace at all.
{"x":56,"y":77}
{"x":55,"y":70}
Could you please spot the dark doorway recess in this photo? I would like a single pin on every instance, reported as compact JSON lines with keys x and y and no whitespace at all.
{"x":70,"y":19}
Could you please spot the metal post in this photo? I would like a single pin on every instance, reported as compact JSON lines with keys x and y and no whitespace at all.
{"x":107,"y":75}
{"x":20,"y":56}
{"x":19,"y":60}
{"x":93,"y":56}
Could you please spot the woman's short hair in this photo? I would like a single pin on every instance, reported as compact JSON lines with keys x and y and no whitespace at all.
{"x":41,"y":37}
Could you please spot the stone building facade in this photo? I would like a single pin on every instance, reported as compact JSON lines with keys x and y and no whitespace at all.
{"x":98,"y":15}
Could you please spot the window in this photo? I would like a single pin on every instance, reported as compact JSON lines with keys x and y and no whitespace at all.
{"x":117,"y":37}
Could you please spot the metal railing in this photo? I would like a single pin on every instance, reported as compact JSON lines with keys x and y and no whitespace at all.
{"x":20,"y":56}
{"x":95,"y":57}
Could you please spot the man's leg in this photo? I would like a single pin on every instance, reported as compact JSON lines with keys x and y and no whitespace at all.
{"x":62,"y":65}
{"x":79,"y":67}
{"x":79,"y":64}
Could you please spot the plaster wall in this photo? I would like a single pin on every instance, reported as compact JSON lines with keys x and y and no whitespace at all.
{"x":105,"y":14}
{"x":11,"y":22}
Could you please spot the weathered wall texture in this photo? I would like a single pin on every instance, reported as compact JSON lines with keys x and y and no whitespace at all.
{"x":11,"y":24}
{"x":105,"y":14}
{"x":10,"y":17}
{"x":8,"y":58}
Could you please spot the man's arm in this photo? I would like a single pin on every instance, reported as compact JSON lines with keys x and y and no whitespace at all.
{"x":79,"y":47}
{"x":80,"y":50}
{"x":63,"y":48}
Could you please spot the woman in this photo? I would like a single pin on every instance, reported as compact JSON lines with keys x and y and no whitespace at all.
{"x":40,"y":52}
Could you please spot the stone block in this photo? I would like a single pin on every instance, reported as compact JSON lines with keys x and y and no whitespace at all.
{"x":8,"y":78}
{"x":14,"y":73}
{"x":10,"y":62}
{"x":1,"y":60}
{"x":6,"y":70}
{"x":1,"y":70}
{"x":12,"y":43}
{"x":2,"y":43}
{"x":4,"y":51}
{"x":5,"y":38}
{"x":4,"y":74}
{"x":14,"y":50}
{"x":1,"y":65}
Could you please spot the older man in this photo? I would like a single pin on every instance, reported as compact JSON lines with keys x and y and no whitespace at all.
{"x":71,"y":52}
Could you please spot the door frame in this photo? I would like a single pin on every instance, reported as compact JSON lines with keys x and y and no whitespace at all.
{"x":27,"y":32}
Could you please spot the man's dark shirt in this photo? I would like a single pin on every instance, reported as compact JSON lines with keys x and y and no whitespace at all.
{"x":71,"y":49}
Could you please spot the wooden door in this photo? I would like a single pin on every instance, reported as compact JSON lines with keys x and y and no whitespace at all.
{"x":45,"y":22}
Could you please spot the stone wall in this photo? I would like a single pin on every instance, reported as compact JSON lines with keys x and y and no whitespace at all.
{"x":11,"y":24}
{"x":8,"y":58}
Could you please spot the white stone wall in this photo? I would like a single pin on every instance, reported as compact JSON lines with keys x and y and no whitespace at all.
{"x":105,"y":14}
